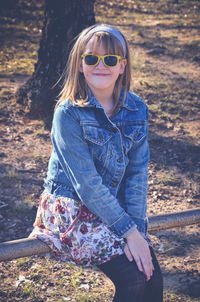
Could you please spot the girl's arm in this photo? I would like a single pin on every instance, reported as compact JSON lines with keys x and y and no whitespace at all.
{"x":135,"y":203}
{"x":76,"y":161}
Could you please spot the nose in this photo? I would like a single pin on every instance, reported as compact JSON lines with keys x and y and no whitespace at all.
{"x":100,"y":64}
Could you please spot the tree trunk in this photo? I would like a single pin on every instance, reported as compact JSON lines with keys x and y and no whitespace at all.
{"x":63,"y":20}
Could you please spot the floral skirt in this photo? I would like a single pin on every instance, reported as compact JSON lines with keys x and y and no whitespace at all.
{"x":74,"y":233}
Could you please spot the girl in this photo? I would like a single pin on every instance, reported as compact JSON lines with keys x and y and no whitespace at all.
{"x":93,"y":209}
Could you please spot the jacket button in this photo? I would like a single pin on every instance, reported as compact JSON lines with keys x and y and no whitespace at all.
{"x":100,"y":137}
{"x":136,"y":135}
{"x":120,"y":160}
{"x":115,"y":130}
{"x":114,"y":184}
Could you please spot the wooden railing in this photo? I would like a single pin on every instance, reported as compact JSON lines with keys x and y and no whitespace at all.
{"x":28,"y":246}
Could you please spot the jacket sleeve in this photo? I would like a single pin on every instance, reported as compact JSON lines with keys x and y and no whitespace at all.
{"x":76,"y":161}
{"x":136,"y":179}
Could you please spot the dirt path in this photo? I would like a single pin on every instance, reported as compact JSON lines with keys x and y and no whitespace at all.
{"x":165,"y":45}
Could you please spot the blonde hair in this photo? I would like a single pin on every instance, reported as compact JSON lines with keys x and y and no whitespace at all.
{"x":75,"y":87}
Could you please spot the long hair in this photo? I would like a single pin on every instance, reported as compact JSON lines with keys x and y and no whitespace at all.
{"x":75,"y":87}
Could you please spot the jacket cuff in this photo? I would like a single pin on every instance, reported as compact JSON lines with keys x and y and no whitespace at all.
{"x":130,"y":231}
{"x":123,"y":226}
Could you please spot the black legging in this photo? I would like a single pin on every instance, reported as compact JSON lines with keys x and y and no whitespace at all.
{"x":130,"y":283}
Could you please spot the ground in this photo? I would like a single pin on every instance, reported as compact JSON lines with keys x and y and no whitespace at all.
{"x":165,"y":48}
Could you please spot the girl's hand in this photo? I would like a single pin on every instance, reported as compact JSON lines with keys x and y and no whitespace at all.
{"x":137,"y":249}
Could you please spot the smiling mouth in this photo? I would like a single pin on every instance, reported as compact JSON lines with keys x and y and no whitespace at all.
{"x":101,"y":74}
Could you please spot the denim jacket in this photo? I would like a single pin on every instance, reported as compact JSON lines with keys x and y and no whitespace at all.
{"x":103,"y":162}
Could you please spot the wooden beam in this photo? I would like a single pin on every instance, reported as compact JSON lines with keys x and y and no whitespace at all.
{"x":31,"y":246}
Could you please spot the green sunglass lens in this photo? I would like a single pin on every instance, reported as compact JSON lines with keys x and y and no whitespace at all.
{"x":91,"y":60}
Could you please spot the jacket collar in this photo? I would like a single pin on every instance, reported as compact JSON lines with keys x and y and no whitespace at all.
{"x":128,"y":104}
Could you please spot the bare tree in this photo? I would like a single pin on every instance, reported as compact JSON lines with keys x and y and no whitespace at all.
{"x":63,"y":20}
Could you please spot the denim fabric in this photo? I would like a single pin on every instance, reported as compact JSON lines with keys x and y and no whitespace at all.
{"x":103,"y":162}
{"x":130,"y":283}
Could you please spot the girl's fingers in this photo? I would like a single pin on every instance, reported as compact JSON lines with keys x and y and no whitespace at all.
{"x":128,"y":253}
{"x":140,"y":252}
{"x":147,"y":269}
{"x":147,"y":266}
{"x":139,"y":265}
{"x":144,"y":263}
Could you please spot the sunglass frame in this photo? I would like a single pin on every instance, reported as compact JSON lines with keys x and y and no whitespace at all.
{"x":100,"y":58}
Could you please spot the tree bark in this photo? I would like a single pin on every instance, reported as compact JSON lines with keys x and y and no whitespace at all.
{"x":63,"y":20}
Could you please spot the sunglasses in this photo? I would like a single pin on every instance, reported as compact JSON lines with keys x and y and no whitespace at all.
{"x":108,"y":60}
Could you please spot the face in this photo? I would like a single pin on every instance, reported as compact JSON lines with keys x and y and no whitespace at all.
{"x":100,"y":77}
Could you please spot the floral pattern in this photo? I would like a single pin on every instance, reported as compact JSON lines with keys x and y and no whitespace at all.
{"x":73,"y":232}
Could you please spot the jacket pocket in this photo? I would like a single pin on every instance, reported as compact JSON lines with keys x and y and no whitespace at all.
{"x":96,"y":135}
{"x":100,"y":146}
{"x":133,"y":134}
